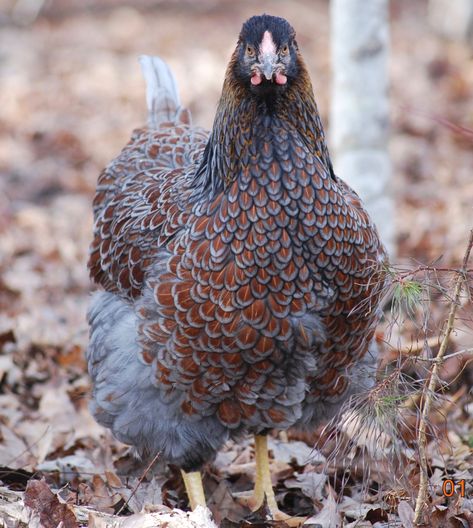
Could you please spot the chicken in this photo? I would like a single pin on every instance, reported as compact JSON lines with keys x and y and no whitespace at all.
{"x":242,"y":277}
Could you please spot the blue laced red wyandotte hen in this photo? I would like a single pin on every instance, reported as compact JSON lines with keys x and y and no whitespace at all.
{"x":242,"y":277}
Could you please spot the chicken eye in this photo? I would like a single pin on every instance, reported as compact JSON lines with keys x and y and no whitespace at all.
{"x":285,"y":50}
{"x":250,"y":51}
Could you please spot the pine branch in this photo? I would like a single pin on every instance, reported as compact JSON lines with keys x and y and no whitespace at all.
{"x":432,"y":385}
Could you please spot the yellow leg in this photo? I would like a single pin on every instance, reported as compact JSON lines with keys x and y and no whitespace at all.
{"x":263,"y":486}
{"x":194,"y":488}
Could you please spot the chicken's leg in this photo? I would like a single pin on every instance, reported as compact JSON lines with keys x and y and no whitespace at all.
{"x":263,"y":486}
{"x":194,"y":488}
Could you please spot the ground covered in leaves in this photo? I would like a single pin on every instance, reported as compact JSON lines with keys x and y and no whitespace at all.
{"x":71,"y":91}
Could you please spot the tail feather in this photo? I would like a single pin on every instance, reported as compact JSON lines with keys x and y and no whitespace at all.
{"x":162,"y":97}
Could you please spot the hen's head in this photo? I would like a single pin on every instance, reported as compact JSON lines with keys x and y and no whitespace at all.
{"x":266,"y":59}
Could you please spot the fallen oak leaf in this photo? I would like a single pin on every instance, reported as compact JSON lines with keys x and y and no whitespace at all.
{"x":45,"y":504}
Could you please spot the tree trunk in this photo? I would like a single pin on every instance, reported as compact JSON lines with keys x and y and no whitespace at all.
{"x":359,"y":125}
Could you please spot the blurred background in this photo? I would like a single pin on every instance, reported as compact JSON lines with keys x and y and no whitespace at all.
{"x":71,"y":92}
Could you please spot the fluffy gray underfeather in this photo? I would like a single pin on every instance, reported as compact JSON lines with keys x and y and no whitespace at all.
{"x":126,"y":400}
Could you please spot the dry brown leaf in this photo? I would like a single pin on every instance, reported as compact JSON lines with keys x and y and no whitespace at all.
{"x":199,"y":518}
{"x":143,"y":496}
{"x":359,"y":524}
{"x":447,"y":517}
{"x":103,"y":498}
{"x":69,"y":466}
{"x":355,"y":508}
{"x":14,"y":453}
{"x":328,"y":517}
{"x":406,"y":514}
{"x":113,"y":480}
{"x":224,"y":506}
{"x":296,"y":451}
{"x":44,"y":503}
{"x":311,"y":484}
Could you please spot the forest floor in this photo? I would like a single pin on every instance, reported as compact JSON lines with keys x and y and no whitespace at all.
{"x":71,"y":91}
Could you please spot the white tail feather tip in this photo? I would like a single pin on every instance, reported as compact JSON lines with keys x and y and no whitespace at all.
{"x":162,"y":97}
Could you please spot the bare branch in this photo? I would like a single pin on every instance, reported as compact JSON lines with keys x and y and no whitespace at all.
{"x":432,"y":385}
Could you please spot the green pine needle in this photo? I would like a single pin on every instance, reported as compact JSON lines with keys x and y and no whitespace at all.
{"x":407,"y":295}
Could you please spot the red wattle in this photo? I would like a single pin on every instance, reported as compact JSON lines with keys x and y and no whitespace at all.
{"x":280,"y":78}
{"x":256,"y":79}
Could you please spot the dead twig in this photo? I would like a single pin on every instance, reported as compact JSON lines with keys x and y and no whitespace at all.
{"x":140,"y":480}
{"x":432,"y":385}
{"x":465,"y":351}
